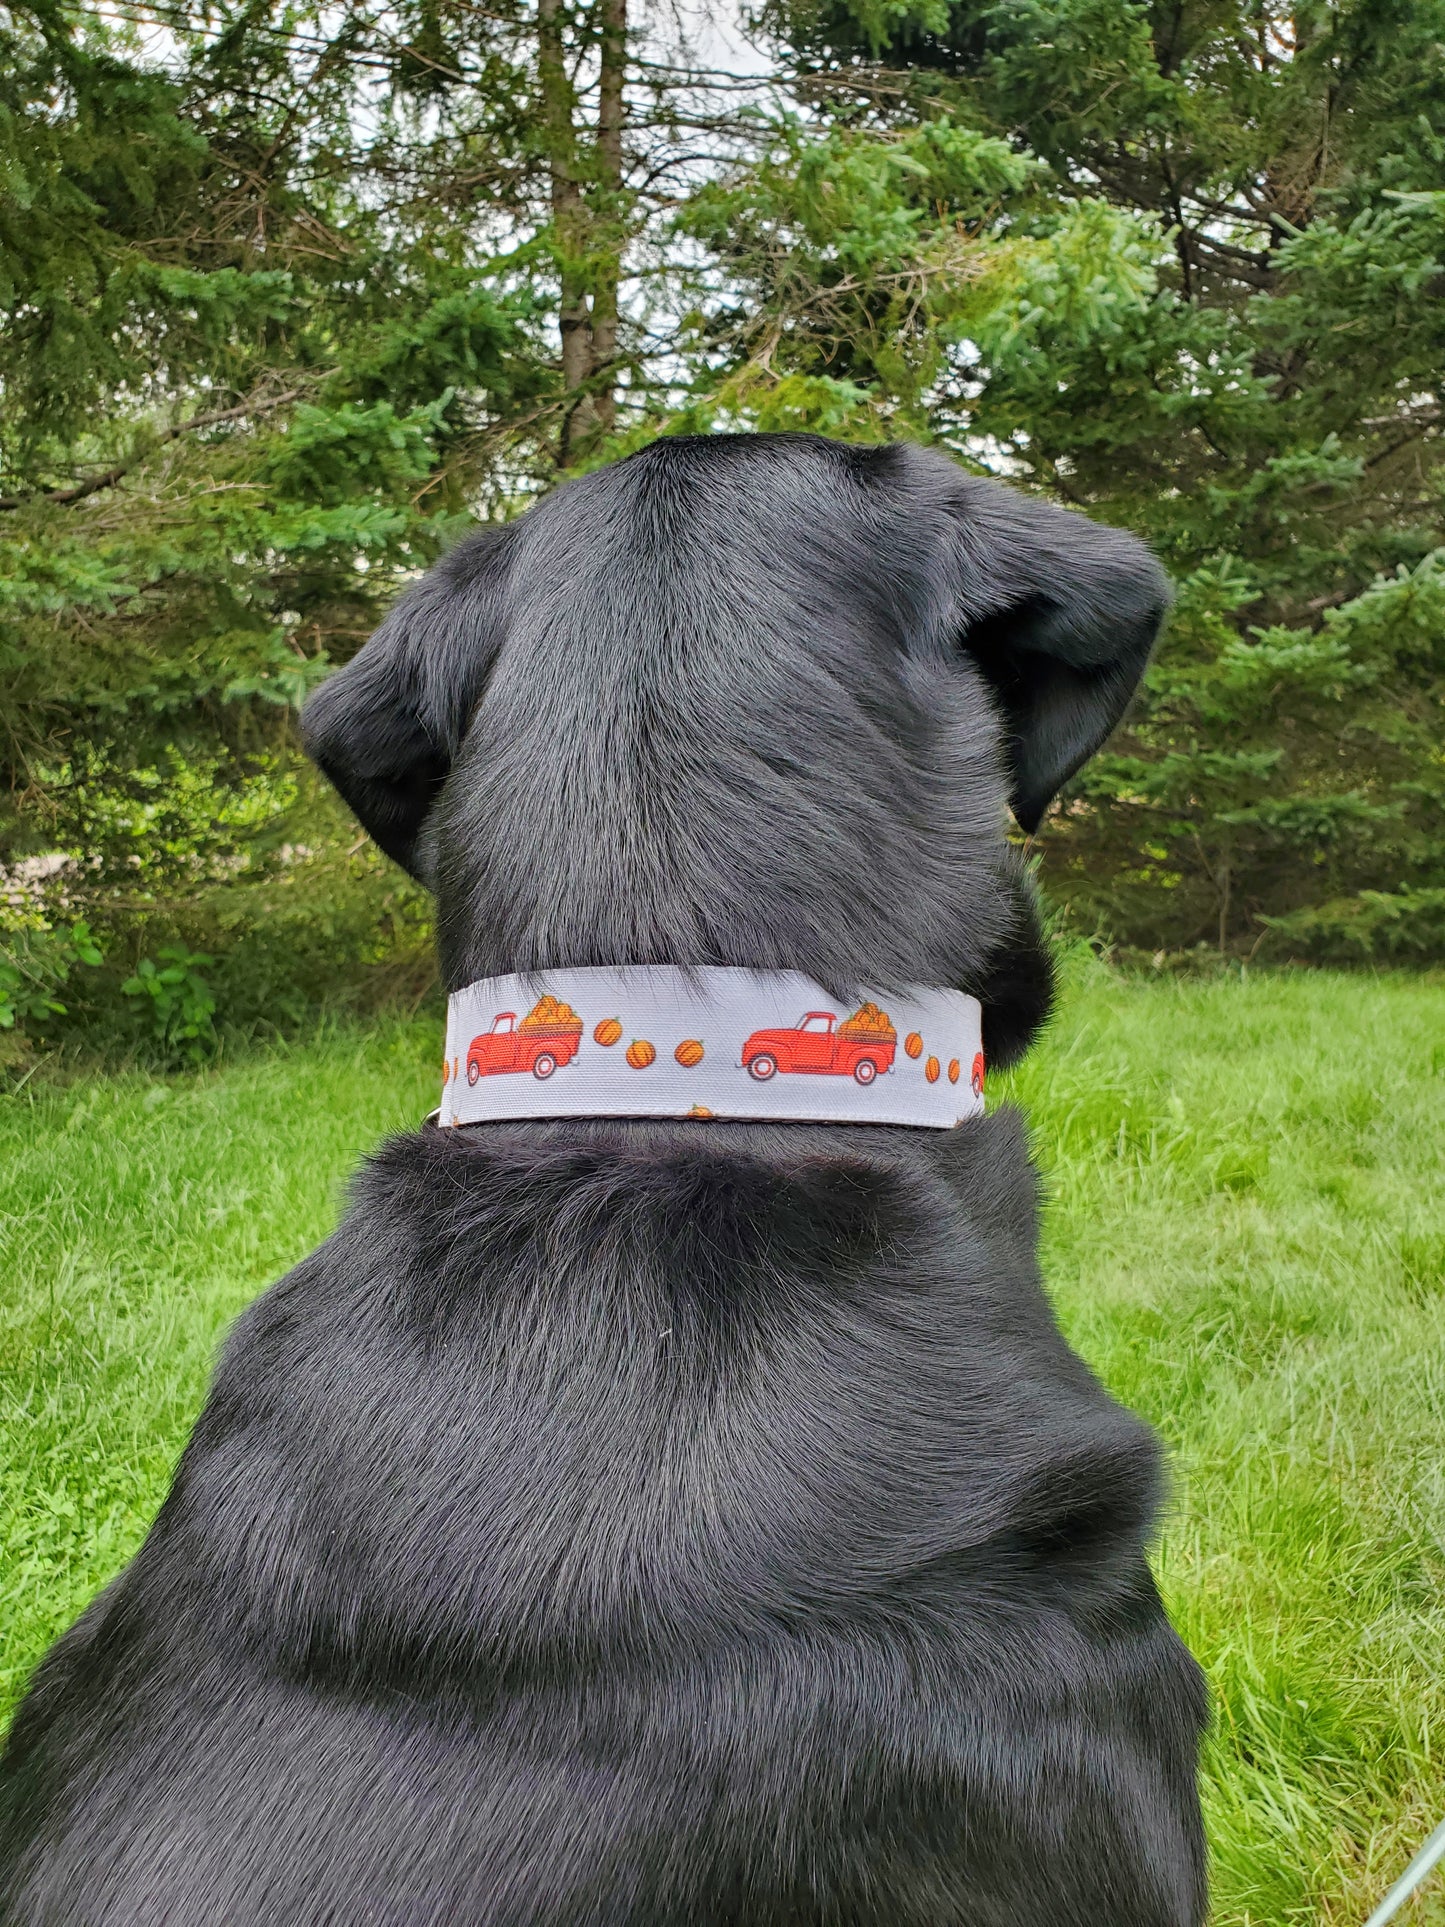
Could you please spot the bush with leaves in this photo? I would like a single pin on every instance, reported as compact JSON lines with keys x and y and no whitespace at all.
{"x":178,"y":1005}
{"x":34,"y":965}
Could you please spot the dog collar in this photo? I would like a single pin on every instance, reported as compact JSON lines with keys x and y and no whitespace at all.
{"x":656,"y":1040}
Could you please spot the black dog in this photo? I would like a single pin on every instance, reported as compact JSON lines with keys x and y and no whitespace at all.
{"x":641,"y":1524}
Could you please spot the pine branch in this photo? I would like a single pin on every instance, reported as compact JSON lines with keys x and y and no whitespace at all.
{"x":78,"y":491}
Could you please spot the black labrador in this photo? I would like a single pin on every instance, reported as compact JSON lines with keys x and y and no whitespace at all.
{"x":629,"y":1523}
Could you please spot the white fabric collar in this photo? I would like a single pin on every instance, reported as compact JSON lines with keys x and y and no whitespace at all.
{"x":655,"y":1040}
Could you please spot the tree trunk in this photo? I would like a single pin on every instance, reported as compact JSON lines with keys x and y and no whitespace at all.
{"x":559,"y":105}
{"x":609,"y":181}
{"x":586,"y":193}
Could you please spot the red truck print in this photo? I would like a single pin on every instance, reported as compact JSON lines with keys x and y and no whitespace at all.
{"x":508,"y":1046}
{"x":817,"y":1044}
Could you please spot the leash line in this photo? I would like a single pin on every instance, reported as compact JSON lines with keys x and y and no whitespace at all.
{"x":1414,"y":1876}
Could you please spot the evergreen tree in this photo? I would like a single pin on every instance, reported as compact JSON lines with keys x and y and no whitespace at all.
{"x":1189,"y":280}
{"x":239,"y":399}
{"x":288,"y":294}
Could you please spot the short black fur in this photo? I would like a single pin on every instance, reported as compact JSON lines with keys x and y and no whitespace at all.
{"x":671,"y":1522}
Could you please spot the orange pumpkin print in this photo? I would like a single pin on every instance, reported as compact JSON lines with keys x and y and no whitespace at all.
{"x":953,"y":1070}
{"x":930,"y":1070}
{"x":913,"y":1044}
{"x":607,"y":1032}
{"x":868,"y":1021}
{"x":688,"y":1053}
{"x":640,"y":1053}
{"x":550,"y":1013}
{"x":699,"y":1110}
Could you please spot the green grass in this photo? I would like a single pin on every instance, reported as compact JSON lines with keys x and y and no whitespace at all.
{"x":1247,"y":1240}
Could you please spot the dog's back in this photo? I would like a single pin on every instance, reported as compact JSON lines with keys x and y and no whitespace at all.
{"x":658,"y":1522}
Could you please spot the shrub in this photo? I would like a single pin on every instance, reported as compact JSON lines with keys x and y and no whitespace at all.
{"x":179,"y":1002}
{"x":33,"y":966}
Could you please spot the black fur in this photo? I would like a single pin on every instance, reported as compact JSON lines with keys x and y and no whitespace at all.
{"x":619,"y":1524}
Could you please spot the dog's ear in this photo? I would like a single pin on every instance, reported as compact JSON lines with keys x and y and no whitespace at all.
{"x":386,"y":727}
{"x":1060,"y":614}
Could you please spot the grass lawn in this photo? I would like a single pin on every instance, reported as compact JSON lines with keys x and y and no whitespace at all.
{"x":1247,"y":1240}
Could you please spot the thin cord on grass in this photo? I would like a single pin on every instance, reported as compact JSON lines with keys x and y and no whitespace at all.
{"x":1413,"y":1877}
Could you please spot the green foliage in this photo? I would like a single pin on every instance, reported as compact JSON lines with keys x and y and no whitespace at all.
{"x":326,"y":926}
{"x":1212,"y":314}
{"x":34,"y":964}
{"x":1246,"y":1239}
{"x":178,"y":1002}
{"x":1407,"y":926}
{"x":280,"y":300}
{"x":242,"y":402}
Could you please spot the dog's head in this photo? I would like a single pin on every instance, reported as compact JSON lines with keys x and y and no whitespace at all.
{"x":749,"y":700}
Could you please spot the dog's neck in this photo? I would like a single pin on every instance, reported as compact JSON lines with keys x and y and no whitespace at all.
{"x":656,"y":1040}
